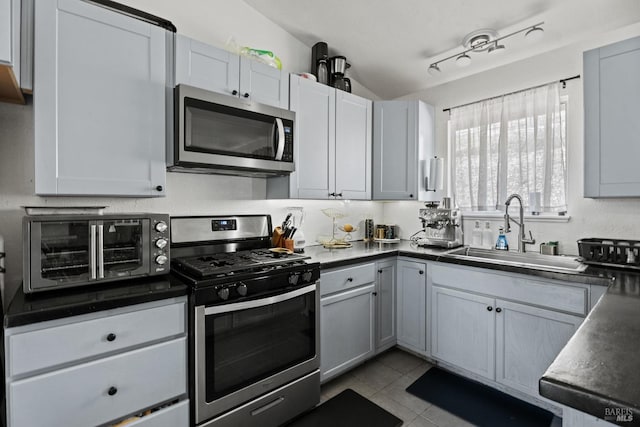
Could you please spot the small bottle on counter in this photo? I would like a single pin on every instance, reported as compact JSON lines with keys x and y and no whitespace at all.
{"x":476,"y":236}
{"x":501,"y":243}
{"x":487,"y":236}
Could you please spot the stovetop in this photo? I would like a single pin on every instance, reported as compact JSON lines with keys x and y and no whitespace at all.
{"x":228,"y":264}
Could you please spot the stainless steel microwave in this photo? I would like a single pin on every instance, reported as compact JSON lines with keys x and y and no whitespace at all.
{"x":216,"y":133}
{"x":62,"y":251}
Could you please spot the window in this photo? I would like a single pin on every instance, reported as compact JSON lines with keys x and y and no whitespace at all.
{"x":512,"y":144}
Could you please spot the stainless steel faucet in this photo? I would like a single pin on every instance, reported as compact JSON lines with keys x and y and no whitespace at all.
{"x":522,"y":236}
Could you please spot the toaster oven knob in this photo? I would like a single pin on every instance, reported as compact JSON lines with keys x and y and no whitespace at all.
{"x":161,"y":243}
{"x":242,"y":289}
{"x":223,"y":293}
{"x":161,"y":226}
{"x":161,"y":259}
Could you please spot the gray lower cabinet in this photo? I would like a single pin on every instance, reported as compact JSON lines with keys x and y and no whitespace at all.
{"x":386,"y":305}
{"x":99,"y":101}
{"x":463,"y":330}
{"x":411,"y":305}
{"x":505,"y":328}
{"x":403,"y":143}
{"x":611,"y":110}
{"x":103,"y":367}
{"x":217,"y":70}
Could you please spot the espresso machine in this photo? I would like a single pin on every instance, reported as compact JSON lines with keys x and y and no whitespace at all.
{"x":441,"y":224}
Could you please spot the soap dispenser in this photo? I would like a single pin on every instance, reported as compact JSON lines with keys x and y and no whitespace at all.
{"x":487,"y":236}
{"x":476,"y":236}
{"x":501,"y":243}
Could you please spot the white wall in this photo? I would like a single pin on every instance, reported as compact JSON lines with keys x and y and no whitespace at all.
{"x":211,"y":21}
{"x":614,"y":218}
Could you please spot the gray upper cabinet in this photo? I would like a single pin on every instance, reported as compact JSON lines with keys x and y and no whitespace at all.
{"x":403,"y":143}
{"x":611,"y":110}
{"x":332,"y":148}
{"x":99,"y":101}
{"x":10,"y":52}
{"x":208,"y":67}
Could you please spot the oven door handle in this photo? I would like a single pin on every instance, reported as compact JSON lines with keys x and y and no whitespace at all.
{"x":227,"y":308}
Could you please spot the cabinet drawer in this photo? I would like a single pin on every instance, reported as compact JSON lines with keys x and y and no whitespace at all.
{"x":80,"y":396}
{"x":346,"y":278}
{"x":173,"y":416}
{"x":84,"y":339}
{"x":572,"y":299}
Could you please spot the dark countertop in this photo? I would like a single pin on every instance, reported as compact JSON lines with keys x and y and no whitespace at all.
{"x":599,"y":368}
{"x":32,"y":308}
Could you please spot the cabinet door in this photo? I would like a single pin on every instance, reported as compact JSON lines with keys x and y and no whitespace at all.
{"x":5,"y":32}
{"x":528,"y":339}
{"x":395,"y":137}
{"x":346,"y":330}
{"x":264,"y":84}
{"x":411,"y":305}
{"x":314,"y":139}
{"x":463,"y":330}
{"x":100,"y":104}
{"x":207,"y":67}
{"x":353,"y":146}
{"x":386,"y":305}
{"x":611,"y":109}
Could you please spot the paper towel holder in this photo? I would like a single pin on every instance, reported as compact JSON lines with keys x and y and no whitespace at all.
{"x":435,"y":177}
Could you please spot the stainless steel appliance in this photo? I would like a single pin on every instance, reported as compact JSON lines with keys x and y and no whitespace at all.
{"x":254,"y":320}
{"x":441,"y":226}
{"x":216,"y":133}
{"x":62,"y":251}
{"x":319,"y":58}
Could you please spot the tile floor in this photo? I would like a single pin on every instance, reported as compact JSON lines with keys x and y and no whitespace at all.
{"x":383,"y":380}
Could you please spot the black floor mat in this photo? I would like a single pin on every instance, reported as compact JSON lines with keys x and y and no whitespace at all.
{"x":347,"y":409}
{"x":476,"y":403}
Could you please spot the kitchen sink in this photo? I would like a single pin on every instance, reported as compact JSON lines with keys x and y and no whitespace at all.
{"x":537,"y":261}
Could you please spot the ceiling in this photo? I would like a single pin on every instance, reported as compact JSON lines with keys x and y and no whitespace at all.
{"x":390,"y":44}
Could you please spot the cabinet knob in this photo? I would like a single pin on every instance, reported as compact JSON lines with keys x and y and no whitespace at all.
{"x":421,"y":272}
{"x":498,"y":309}
{"x":411,"y":196}
{"x":350,"y":279}
{"x":339,"y":195}
{"x":111,"y":337}
{"x":112,"y":391}
{"x":234,"y":92}
{"x":380,"y":271}
{"x":246,"y":95}
{"x":489,"y":308}
{"x":159,"y":188}
{"x":374,"y":294}
{"x":332,"y":194}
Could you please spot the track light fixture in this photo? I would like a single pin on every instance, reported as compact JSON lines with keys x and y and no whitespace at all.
{"x":485,"y":40}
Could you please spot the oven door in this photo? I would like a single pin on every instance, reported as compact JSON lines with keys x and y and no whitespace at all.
{"x":246,"y":349}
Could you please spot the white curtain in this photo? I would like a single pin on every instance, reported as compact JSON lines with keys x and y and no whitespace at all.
{"x":511,"y":144}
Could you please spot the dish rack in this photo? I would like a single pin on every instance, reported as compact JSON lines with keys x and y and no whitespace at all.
{"x":610,"y":252}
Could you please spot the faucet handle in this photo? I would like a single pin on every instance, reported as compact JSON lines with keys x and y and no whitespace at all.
{"x":530,"y":240}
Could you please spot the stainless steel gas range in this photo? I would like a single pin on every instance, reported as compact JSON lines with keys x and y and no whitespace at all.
{"x":254,"y":322}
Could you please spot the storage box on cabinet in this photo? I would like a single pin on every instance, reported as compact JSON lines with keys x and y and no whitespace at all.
{"x":208,"y":67}
{"x":99,"y":367}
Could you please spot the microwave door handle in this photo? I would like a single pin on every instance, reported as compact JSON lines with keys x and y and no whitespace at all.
{"x":92,"y":250}
{"x":227,"y":308}
{"x":280,"y":149}
{"x":101,"y":251}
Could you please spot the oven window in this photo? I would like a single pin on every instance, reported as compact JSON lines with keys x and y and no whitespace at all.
{"x":64,"y":251}
{"x":218,"y":129}
{"x":123,"y":246}
{"x":246,"y":346}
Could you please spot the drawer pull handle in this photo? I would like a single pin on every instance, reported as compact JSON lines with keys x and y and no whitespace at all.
{"x":350,"y":279}
{"x":111,"y":337}
{"x":112,"y":391}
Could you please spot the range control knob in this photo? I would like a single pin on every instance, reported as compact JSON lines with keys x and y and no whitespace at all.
{"x":242,"y":289}
{"x":306,"y":276}
{"x":223,"y":293}
{"x":161,"y":226}
{"x":161,"y":243}
{"x":293,"y":279}
{"x":161,"y":259}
